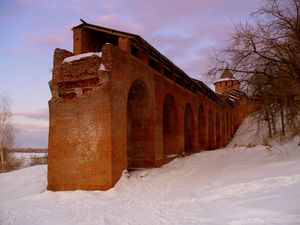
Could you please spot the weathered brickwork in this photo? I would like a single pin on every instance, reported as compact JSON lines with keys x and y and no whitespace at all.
{"x":128,"y":108}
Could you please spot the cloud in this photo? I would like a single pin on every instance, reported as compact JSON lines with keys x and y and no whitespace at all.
{"x":28,"y":135}
{"x":46,"y":39}
{"x":117,"y":22}
{"x":22,"y":51}
{"x":42,"y":114}
{"x":25,"y":2}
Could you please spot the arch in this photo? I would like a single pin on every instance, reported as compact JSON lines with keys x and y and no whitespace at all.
{"x":170,"y":126}
{"x":218,"y":131}
{"x":227,"y":127}
{"x":232,"y":125}
{"x":223,"y":131}
{"x":211,"y":130}
{"x":139,"y":125}
{"x":188,"y":128}
{"x":201,"y":126}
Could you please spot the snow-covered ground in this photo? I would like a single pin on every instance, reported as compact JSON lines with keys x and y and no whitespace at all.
{"x":230,"y":186}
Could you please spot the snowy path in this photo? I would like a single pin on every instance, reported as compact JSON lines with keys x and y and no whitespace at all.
{"x":237,"y":186}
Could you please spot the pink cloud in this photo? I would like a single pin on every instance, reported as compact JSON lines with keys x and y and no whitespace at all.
{"x":42,"y":114}
{"x":117,"y":22}
{"x":46,"y":39}
{"x":31,"y":136}
{"x":23,"y":51}
{"x":25,"y":2}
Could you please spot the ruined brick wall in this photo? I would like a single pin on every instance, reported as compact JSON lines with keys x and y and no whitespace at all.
{"x":114,"y":112}
{"x":80,"y":125}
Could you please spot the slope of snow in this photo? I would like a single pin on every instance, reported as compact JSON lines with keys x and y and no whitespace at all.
{"x":234,"y":186}
{"x":231,"y":186}
{"x":249,"y":134}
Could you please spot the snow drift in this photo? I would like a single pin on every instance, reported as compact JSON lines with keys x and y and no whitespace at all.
{"x":234,"y":186}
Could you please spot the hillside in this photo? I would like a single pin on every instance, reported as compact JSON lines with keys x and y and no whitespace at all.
{"x":235,"y":186}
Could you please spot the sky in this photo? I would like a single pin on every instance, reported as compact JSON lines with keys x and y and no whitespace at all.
{"x":187,"y":32}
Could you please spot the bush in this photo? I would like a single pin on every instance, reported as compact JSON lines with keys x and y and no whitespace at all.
{"x":35,"y":160}
{"x":10,"y":162}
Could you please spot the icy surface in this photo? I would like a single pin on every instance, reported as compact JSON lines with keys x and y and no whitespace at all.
{"x":231,"y":186}
{"x":84,"y":55}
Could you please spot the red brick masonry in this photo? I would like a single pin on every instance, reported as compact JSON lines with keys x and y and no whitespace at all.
{"x":129,"y":108}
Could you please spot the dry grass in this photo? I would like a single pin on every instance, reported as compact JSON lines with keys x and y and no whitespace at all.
{"x":10,"y":162}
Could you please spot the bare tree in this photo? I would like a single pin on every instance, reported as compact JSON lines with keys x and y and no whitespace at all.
{"x":6,"y":129}
{"x":265,"y":56}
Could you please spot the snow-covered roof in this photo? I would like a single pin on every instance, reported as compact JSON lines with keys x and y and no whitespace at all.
{"x":227,"y":75}
{"x":224,"y":79}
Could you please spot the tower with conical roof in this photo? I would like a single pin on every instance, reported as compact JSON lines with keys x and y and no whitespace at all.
{"x":226,"y":82}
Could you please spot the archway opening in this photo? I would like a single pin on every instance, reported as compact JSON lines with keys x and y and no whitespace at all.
{"x":188,"y":129}
{"x":211,"y":131}
{"x":223,"y":135}
{"x":227,"y":128}
{"x":139,"y":126}
{"x":170,"y":126}
{"x":201,"y":127}
{"x":232,"y":125}
{"x":218,"y":131}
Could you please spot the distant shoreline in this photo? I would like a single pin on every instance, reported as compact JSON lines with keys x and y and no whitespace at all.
{"x":29,"y":150}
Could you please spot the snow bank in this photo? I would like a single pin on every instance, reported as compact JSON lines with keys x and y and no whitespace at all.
{"x":231,"y":186}
{"x":80,"y":56}
{"x":22,"y":183}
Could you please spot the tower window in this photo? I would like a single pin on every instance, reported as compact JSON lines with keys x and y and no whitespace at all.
{"x":134,"y":51}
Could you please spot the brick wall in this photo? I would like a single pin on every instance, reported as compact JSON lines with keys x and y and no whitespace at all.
{"x":130,"y":115}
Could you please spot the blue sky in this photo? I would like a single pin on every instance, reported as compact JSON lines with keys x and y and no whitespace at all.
{"x":185,"y":31}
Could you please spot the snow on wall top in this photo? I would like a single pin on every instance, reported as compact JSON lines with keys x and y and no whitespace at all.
{"x":84,"y":55}
{"x":224,"y":79}
{"x":102,"y":67}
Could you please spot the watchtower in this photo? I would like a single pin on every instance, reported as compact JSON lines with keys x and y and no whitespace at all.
{"x":226,"y":82}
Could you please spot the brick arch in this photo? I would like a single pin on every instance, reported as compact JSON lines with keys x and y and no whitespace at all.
{"x":201,"y":126}
{"x":170,"y":126}
{"x":188,"y":128}
{"x":139,"y":125}
{"x":218,"y":131}
{"x":223,"y":130}
{"x":211,"y":130}
{"x":227,"y":127}
{"x":234,"y":122}
{"x":231,"y":125}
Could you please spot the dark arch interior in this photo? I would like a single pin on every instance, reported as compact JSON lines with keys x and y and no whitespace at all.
{"x":227,"y":127}
{"x":170,"y":126}
{"x":188,"y":129}
{"x":140,"y":126}
{"x":201,"y":127}
{"x":211,"y":131}
{"x":218,"y":131}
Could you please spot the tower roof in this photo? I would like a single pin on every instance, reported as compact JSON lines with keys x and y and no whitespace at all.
{"x":226,"y":74}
